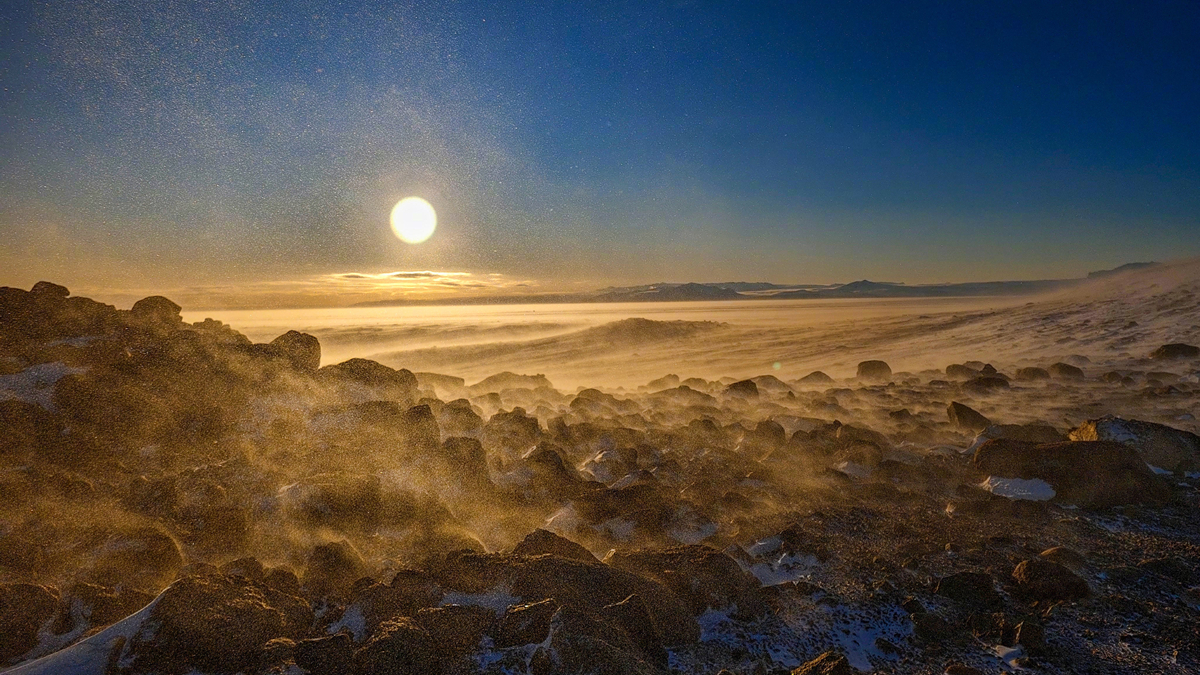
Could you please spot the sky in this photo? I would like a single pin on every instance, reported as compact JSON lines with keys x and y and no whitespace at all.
{"x":254,"y":150}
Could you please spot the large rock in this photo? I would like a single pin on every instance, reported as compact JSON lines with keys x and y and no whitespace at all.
{"x":815,"y":377}
{"x":959,"y":372}
{"x":215,"y":624}
{"x":456,"y":629}
{"x":340,"y":501}
{"x":325,"y":655}
{"x":409,"y":592}
{"x":302,"y":350}
{"x":985,"y":384}
{"x":582,"y":642}
{"x":966,"y":418}
{"x":1031,"y":433}
{"x":1158,"y":444}
{"x":1091,"y":474}
{"x":46,"y":289}
{"x":705,"y":577}
{"x":745,"y":388}
{"x":540,"y":542}
{"x":874,"y":371}
{"x":156,"y":310}
{"x":1032,"y":374}
{"x":632,"y":615}
{"x":332,"y":568}
{"x":1176,"y":350}
{"x":524,"y":624}
{"x":572,"y":583}
{"x":400,"y":645}
{"x":24,"y":608}
{"x":974,"y":589}
{"x":1047,"y":580}
{"x":1065,"y":371}
{"x":369,"y":373}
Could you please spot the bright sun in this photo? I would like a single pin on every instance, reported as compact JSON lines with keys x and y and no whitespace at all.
{"x":413,"y":220}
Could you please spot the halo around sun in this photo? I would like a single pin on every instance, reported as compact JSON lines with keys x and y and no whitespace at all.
{"x":413,"y":220}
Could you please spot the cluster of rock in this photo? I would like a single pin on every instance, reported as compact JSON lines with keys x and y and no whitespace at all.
{"x":359,"y":518}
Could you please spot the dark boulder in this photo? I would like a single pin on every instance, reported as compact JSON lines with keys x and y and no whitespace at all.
{"x":1065,"y":371}
{"x":704,"y":577}
{"x":1046,"y":580}
{"x":959,"y":372}
{"x":815,"y":377}
{"x":931,"y":628}
{"x":327,"y":655}
{"x":1091,"y":474}
{"x":524,"y":624}
{"x":874,"y":371}
{"x":156,"y":311}
{"x":632,"y":615}
{"x":1172,"y":568}
{"x":1162,"y":446}
{"x":746,"y":388}
{"x":1032,"y":374}
{"x":248,"y":567}
{"x":540,"y":542}
{"x":588,"y":586}
{"x":409,"y":592}
{"x":343,"y":501}
{"x":457,"y":418}
{"x":1031,"y":636}
{"x":1032,"y":433}
{"x":1064,"y":556}
{"x":455,"y":629}
{"x":584,"y":642}
{"x":369,"y":374}
{"x":509,"y":434}
{"x":966,"y":418}
{"x":399,"y":645}
{"x":47,"y":290}
{"x":973,"y":589}
{"x":1176,"y":350}
{"x":332,"y":568}
{"x":283,"y":580}
{"x":302,"y":350}
{"x":215,"y":624}
{"x":985,"y":384}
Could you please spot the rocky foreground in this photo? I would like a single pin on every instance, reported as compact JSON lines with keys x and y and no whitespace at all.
{"x":177,"y":499}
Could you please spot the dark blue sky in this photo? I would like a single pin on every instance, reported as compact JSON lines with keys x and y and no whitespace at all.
{"x":198,"y":143}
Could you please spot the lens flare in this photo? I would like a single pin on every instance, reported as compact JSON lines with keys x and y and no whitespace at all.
{"x":413,"y":220}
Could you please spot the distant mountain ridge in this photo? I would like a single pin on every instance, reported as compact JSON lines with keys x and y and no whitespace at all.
{"x":1127,"y":267}
{"x":744,"y":290}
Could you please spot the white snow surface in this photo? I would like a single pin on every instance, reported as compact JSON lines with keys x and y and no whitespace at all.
{"x":800,"y":634}
{"x":352,"y":620}
{"x":498,"y":599}
{"x":89,"y":656}
{"x":1033,"y":489}
{"x":36,"y":383}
